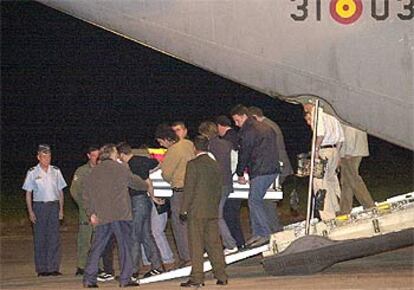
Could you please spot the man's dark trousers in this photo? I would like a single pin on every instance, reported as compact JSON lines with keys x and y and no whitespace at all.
{"x":46,"y":236}
{"x":203,"y":233}
{"x":108,"y":256}
{"x":103,"y":233}
{"x":231,"y":215}
{"x":179,"y":228}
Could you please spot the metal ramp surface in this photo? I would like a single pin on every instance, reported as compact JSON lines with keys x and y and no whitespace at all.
{"x":184,"y":272}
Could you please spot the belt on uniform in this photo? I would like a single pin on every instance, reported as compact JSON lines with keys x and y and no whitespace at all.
{"x":328,"y":146}
{"x":178,"y":189}
{"x":83,"y":223}
{"x":53,"y":201}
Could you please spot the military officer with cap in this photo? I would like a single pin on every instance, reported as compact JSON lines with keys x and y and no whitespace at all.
{"x":44,"y":199}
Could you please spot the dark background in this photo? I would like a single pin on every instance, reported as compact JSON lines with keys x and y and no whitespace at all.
{"x":69,"y":84}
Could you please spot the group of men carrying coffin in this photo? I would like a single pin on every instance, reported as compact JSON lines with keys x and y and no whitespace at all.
{"x":116,"y":198}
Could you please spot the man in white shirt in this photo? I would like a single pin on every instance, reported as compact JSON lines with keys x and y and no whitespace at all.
{"x":329,"y":138}
{"x":354,"y":148}
{"x":44,"y":200}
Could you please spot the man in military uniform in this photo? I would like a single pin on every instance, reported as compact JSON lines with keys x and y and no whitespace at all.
{"x":44,"y":200}
{"x":85,"y":229}
{"x":201,"y":198}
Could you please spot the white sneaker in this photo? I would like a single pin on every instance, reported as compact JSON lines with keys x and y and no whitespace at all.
{"x":105,"y":277}
{"x":230,"y":251}
{"x":205,"y":255}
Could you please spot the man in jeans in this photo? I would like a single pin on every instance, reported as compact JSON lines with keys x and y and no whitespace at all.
{"x":141,"y":211}
{"x":286,"y":169}
{"x":259,"y":155}
{"x":108,"y":206}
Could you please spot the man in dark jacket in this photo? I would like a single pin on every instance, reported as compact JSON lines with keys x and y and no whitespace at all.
{"x":221,"y":150}
{"x":202,"y":194}
{"x":108,"y":206}
{"x":286,"y":170}
{"x":259,"y":155}
{"x":231,"y":211}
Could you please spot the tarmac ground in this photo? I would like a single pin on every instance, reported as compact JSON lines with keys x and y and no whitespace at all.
{"x":389,"y":270}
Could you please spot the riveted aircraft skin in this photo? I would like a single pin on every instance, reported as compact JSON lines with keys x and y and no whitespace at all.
{"x":356,"y":55}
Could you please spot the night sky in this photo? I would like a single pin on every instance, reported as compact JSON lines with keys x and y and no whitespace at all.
{"x":69,"y":84}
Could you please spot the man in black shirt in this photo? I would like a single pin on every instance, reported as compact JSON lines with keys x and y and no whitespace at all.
{"x":141,"y":211}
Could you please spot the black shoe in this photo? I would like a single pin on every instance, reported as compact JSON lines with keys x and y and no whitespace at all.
{"x":135,"y":276}
{"x":90,"y":286}
{"x":153,"y":272}
{"x":130,"y":284}
{"x":191,"y":283}
{"x":183,"y":264}
{"x":242,"y":248}
{"x":55,"y":273}
{"x":222,"y":283}
{"x":252,"y":240}
{"x":259,"y":242}
{"x":43,"y":274}
{"x":79,"y":272}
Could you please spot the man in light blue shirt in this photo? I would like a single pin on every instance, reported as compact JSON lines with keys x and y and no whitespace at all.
{"x":44,"y":200}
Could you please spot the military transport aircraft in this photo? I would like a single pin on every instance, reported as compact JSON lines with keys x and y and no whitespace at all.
{"x":356,"y":55}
